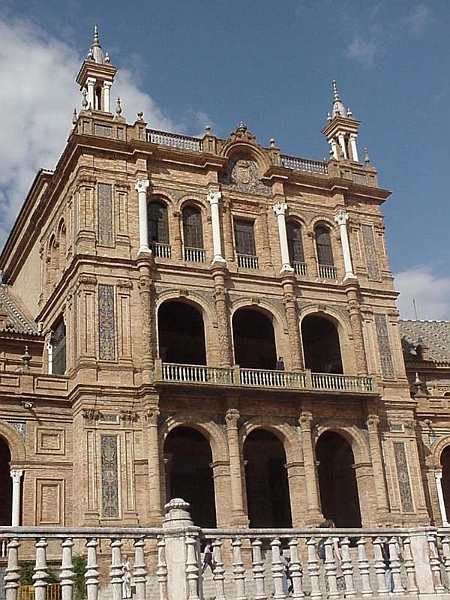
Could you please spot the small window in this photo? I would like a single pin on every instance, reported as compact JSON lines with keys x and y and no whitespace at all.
{"x":158,"y":230}
{"x":192,"y":227}
{"x":294,"y":236}
{"x":245,"y":238}
{"x":58,"y":342}
{"x":323,"y":245}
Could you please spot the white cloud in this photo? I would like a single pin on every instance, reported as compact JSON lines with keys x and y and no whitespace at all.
{"x":362,"y":50}
{"x":417,"y":19}
{"x":430,"y":293}
{"x":37,"y":97}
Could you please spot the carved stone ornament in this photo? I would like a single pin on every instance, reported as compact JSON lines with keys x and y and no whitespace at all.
{"x":91,"y":414}
{"x":152,"y":415}
{"x":232,"y":417}
{"x":128,"y":416}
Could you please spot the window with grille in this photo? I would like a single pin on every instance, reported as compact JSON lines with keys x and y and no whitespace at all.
{"x":244,"y":237}
{"x":58,"y":342}
{"x":192,"y":227}
{"x":158,"y":230}
{"x":323,"y":245}
{"x":295,"y":246}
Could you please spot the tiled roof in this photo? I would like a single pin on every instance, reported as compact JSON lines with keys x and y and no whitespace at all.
{"x":16,"y":321}
{"x":434,"y":334}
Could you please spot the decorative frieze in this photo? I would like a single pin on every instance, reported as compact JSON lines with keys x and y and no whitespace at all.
{"x":110,"y":480}
{"x":373,"y":269}
{"x":404,"y":483}
{"x":106,"y":322}
{"x":387,"y":366}
{"x":105,"y":214}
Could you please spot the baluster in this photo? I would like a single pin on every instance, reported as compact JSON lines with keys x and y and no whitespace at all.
{"x":258,"y":571}
{"x":347,"y":568}
{"x":395,"y":566}
{"x":161,"y":571}
{"x":364,"y":569}
{"x":192,"y":569}
{"x":331,"y":569}
{"x":140,"y":569}
{"x":116,"y":573}
{"x":277,"y":569}
{"x":40,"y":570}
{"x":296,"y":570}
{"x":380,"y":567}
{"x":313,"y":569}
{"x":219,"y":571}
{"x":238,"y":570}
{"x":66,"y":574}
{"x":92,"y":575}
{"x":446,"y":553}
{"x":12,"y":570}
{"x":435,"y":565}
{"x":409,"y":566}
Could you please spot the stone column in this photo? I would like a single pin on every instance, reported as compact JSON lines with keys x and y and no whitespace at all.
{"x":228,"y":231}
{"x":438,"y":477}
{"x":280,"y":209}
{"x":142,"y":186}
{"x":213,"y":198}
{"x":353,"y":147}
{"x":382,"y":503}
{"x":176,"y":228}
{"x":341,"y":219}
{"x":107,"y":96}
{"x":314,"y":514}
{"x":16,"y":476}
{"x":223,"y":317}
{"x":91,"y":92}
{"x":342,"y":145}
{"x":290,"y":307}
{"x":154,"y":472}
{"x":295,"y":476}
{"x":148,"y":324}
{"x":334,"y":148}
{"x":221,"y":477}
{"x":354,"y":311}
{"x":238,"y":512}
{"x":264,"y":231}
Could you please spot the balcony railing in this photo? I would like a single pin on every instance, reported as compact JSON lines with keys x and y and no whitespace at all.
{"x":175,"y":141}
{"x":161,"y":250}
{"x":300,"y":268}
{"x":245,"y":261}
{"x":327,"y":272}
{"x":293,"y":380}
{"x":194,"y":255}
{"x":304,"y":164}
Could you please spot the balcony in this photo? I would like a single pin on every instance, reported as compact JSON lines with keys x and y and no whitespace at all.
{"x":300,"y":268}
{"x":245,"y":261}
{"x":259,"y":378}
{"x":327,"y":272}
{"x":194,"y":255}
{"x":161,"y":250}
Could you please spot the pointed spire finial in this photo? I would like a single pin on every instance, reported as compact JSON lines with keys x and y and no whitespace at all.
{"x":338,"y":106}
{"x":366,"y":156}
{"x":75,"y":117}
{"x":335,"y":91}
{"x":118,"y":108}
{"x":96,"y":40}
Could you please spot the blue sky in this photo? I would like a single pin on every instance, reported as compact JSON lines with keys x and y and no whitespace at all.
{"x":188,"y":64}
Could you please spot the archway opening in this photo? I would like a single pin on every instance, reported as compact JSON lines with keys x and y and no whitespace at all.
{"x":189,"y":475}
{"x":5,"y":484}
{"x":321,"y":346}
{"x":254,"y":340}
{"x":181,"y":334}
{"x":445,"y":482}
{"x":266,"y":480}
{"x":337,"y":480}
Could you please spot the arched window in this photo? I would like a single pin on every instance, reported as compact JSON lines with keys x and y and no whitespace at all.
{"x":295,"y":246}
{"x":58,"y":349}
{"x":192,"y":234}
{"x":62,"y":245}
{"x":158,"y":230}
{"x":323,"y":245}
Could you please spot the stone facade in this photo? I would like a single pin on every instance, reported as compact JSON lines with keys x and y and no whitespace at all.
{"x":155,"y":279}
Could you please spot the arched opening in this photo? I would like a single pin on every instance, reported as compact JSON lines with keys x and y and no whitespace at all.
{"x":192,"y":227}
{"x":337,"y":480}
{"x":266,"y":481}
{"x":254,"y":339}
{"x":321,"y":347}
{"x":158,"y":230}
{"x":5,"y":484}
{"x":445,"y":482}
{"x":323,"y":246}
{"x":295,"y":246}
{"x":181,"y":334}
{"x":187,"y":456}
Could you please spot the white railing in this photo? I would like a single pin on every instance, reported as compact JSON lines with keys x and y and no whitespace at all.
{"x":246,"y":261}
{"x":194,"y":254}
{"x":197,"y":374}
{"x":175,"y":141}
{"x":327,"y":272}
{"x":161,"y":250}
{"x":345,"y":383}
{"x":304,"y":164}
{"x":300,"y":268}
{"x":257,"y":377}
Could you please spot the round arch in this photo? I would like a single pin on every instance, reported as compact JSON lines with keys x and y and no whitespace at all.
{"x":278,"y":426}
{"x":15,"y":442}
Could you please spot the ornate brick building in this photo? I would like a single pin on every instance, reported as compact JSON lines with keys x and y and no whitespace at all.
{"x":151,"y":285}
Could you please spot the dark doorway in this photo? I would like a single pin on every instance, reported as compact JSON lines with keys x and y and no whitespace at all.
{"x":189,"y":474}
{"x":445,"y":462}
{"x":266,"y":481}
{"x":5,"y":484}
{"x":254,"y":340}
{"x":337,"y":480}
{"x":181,"y":334}
{"x":321,"y":345}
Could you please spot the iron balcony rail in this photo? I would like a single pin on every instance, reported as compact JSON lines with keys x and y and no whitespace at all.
{"x":178,"y":373}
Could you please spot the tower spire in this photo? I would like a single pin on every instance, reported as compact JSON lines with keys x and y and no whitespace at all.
{"x":341,"y":130}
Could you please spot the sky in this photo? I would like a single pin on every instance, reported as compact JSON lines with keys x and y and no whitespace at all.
{"x":269,"y":64}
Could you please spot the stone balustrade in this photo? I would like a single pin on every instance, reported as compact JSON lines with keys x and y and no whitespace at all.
{"x":166,"y":562}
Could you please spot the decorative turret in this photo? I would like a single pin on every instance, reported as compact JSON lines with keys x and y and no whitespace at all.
{"x":341,"y":130}
{"x":96,"y":77}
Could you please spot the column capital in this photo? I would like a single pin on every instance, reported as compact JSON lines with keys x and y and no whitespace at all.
{"x":107,"y":84}
{"x":305,"y":421}
{"x":91,"y":80}
{"x":142,"y":185}
{"x":232,"y":417}
{"x":213,"y":197}
{"x":438,"y":475}
{"x":280,"y":208}
{"x":341,"y":217}
{"x":372,"y":423}
{"x":16,"y":474}
{"x":151,"y":415}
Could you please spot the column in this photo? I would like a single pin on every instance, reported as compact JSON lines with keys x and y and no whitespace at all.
{"x":290,"y":308}
{"x":438,"y":477}
{"x":213,"y":198}
{"x":236,"y":476}
{"x":341,"y":219}
{"x":142,"y":187}
{"x":148,"y":324}
{"x":223,"y":316}
{"x":382,"y":504}
{"x":280,"y":209}
{"x":334,"y":148}
{"x":354,"y":311}
{"x":353,"y":147}
{"x":107,"y":96}
{"x":154,"y":474}
{"x":91,"y":92}
{"x":16,"y":475}
{"x":341,"y":139}
{"x":311,"y":484}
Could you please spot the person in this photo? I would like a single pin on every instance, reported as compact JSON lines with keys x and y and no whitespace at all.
{"x":280,"y":364}
{"x":126,"y":578}
{"x":287,"y":580}
{"x":340,"y":582}
{"x":208,"y":559}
